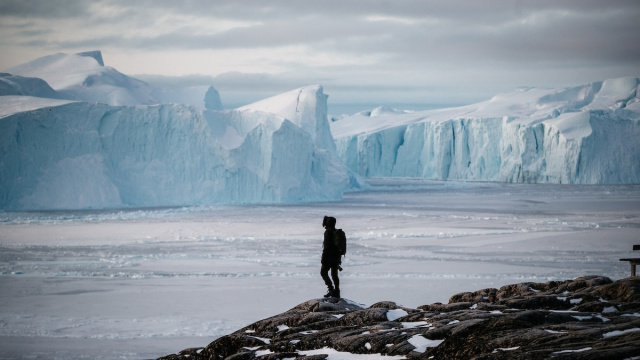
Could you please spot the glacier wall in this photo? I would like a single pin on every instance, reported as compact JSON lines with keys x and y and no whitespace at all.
{"x":82,"y":155}
{"x":498,"y":150}
{"x":583,"y":135}
{"x":118,"y":142}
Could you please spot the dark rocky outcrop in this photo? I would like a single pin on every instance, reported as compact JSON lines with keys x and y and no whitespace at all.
{"x":586,"y":318}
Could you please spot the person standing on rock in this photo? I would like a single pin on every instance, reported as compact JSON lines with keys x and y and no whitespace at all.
{"x":330,"y":257}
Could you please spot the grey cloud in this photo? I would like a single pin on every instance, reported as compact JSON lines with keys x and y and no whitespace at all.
{"x":466,"y":11}
{"x":290,"y":32}
{"x":238,"y":89}
{"x":495,"y":31}
{"x":559,"y":37}
{"x":33,"y":32}
{"x":443,"y":42}
{"x":176,"y":81}
{"x":62,"y":9}
{"x":231,"y":81}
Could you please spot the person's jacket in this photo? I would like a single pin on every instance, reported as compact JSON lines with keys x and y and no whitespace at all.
{"x":330,"y":254}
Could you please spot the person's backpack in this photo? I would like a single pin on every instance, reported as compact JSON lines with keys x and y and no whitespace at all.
{"x":340,"y":240}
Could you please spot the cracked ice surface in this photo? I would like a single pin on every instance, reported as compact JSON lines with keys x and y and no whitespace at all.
{"x":148,"y":282}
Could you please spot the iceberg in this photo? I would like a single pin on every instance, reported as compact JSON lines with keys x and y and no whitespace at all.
{"x":79,"y":153}
{"x":299,"y":106}
{"x":85,"y":77}
{"x":26,"y":86}
{"x":581,"y":135}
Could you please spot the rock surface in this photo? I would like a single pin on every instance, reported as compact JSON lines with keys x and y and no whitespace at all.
{"x":586,"y":318}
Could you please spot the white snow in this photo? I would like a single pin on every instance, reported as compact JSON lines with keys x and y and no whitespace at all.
{"x":60,"y":70}
{"x":582,"y":318}
{"x":395,"y":314}
{"x":619,"y":332}
{"x":340,"y":355}
{"x":572,"y":351}
{"x":14,"y":104}
{"x":84,"y":77}
{"x":421,"y":343}
{"x":414,"y":324}
{"x":264,"y":340}
{"x":505,"y":349}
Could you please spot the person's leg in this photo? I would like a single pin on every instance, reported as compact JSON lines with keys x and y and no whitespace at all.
{"x":324,"y":272}
{"x":336,"y":280}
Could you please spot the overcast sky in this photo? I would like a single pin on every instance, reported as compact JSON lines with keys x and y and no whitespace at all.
{"x":404,"y":54}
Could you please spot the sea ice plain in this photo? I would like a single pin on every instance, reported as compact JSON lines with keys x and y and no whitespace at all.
{"x":146,"y":283}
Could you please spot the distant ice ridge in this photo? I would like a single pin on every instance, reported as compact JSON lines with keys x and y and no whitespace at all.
{"x":84,"y":77}
{"x":582,"y":135}
{"x":65,"y":154}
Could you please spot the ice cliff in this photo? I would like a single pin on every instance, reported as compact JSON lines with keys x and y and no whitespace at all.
{"x":66,"y":154}
{"x":87,"y":155}
{"x":582,"y":135}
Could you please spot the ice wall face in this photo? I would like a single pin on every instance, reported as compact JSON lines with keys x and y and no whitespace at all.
{"x":86,"y":155}
{"x":83,"y":155}
{"x":287,"y":139}
{"x":303,"y":107}
{"x":583,"y":135}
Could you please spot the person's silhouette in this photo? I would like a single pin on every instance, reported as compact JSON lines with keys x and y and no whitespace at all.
{"x":330,"y":258}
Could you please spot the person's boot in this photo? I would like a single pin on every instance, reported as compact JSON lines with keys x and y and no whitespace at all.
{"x":329,"y":293}
{"x":336,"y":293}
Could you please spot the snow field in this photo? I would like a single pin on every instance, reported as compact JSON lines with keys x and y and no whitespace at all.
{"x":146,"y":283}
